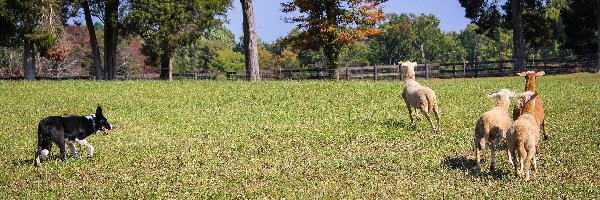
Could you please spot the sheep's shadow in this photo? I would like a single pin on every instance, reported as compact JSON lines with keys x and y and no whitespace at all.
{"x":395,"y":124}
{"x":390,"y":123}
{"x":468,"y":165}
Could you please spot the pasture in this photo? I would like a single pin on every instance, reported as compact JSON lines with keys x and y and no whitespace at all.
{"x":308,"y":139}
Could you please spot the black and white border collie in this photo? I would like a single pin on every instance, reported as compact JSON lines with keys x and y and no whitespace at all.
{"x":69,"y":129}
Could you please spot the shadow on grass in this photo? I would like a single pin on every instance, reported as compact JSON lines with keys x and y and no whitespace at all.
{"x":468,"y":165}
{"x":400,"y":124}
{"x":26,"y":162}
{"x":394,"y":124}
{"x":22,"y":162}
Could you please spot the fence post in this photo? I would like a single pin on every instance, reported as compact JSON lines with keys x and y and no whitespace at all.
{"x":465,"y":68}
{"x":374,"y":73}
{"x":453,"y":71}
{"x":399,"y":71}
{"x":476,"y":69}
{"x":427,"y":71}
{"x":347,"y":74}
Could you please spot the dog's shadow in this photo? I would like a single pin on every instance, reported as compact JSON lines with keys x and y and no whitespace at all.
{"x":463,"y":164}
{"x":28,"y":162}
{"x":22,"y":162}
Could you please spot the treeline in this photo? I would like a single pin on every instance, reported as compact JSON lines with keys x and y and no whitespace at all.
{"x":189,"y":36}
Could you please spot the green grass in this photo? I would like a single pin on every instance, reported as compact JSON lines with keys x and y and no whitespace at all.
{"x":310,"y":139}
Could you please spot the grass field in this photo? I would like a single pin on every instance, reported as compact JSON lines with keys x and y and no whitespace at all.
{"x":312,"y":139}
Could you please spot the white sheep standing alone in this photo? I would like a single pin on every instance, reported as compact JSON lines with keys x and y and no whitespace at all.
{"x":523,"y":137}
{"x":492,"y":126}
{"x":418,"y":96}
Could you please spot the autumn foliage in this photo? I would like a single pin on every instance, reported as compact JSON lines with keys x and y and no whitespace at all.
{"x":329,"y":25}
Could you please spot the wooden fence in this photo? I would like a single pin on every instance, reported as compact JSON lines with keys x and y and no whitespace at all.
{"x":422,"y":71}
{"x":476,"y":69}
{"x":588,"y":63}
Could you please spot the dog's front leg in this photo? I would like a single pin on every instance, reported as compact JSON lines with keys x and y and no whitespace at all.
{"x":72,"y":148}
{"x":89,"y":147}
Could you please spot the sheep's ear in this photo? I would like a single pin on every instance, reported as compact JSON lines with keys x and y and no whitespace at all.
{"x":522,"y":74}
{"x":415,"y":64}
{"x":540,"y":73}
{"x":492,"y":95}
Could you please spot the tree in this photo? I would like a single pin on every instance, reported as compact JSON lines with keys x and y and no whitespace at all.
{"x":167,"y":26}
{"x":415,"y":38}
{"x":200,"y":55}
{"x":528,"y":19}
{"x":250,"y":41}
{"x":582,"y":26}
{"x":93,"y":39}
{"x":111,"y":38}
{"x":33,"y":24}
{"x":108,"y":12}
{"x":479,"y":47}
{"x":332,"y":24}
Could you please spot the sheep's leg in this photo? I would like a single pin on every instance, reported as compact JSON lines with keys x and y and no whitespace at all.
{"x":479,"y":148}
{"x":412,"y":123}
{"x":424,"y":112}
{"x":534,"y":160}
{"x":528,"y":159}
{"x":522,"y":160}
{"x":436,"y":112}
{"x":417,"y":116}
{"x":510,"y":157}
{"x":495,"y":144}
{"x":512,"y":154}
{"x":543,"y":125}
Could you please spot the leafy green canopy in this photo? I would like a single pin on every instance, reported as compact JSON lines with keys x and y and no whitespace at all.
{"x":24,"y":20}
{"x":541,"y":19}
{"x":166,"y":26}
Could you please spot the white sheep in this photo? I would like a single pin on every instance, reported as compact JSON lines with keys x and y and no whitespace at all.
{"x":418,"y":96}
{"x":492,"y":126}
{"x":523,"y":137}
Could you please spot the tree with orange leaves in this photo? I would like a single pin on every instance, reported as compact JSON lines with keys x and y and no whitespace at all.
{"x":329,"y":25}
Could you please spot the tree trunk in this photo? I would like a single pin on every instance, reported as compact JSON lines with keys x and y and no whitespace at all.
{"x":518,"y":41}
{"x":166,"y":68}
{"x":598,"y":32}
{"x":29,"y":60}
{"x":422,"y":49}
{"x":250,"y":41}
{"x":111,"y":33}
{"x":93,"y":40}
{"x":331,"y":56}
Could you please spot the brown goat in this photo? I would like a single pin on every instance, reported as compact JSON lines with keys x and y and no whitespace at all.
{"x":538,"y":114}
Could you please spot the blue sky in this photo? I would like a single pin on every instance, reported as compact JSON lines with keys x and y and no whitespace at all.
{"x":270,"y":24}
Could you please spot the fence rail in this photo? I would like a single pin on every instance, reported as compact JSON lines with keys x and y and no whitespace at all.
{"x":588,"y":63}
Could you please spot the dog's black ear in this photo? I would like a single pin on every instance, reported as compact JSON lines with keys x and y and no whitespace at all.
{"x":99,"y":111}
